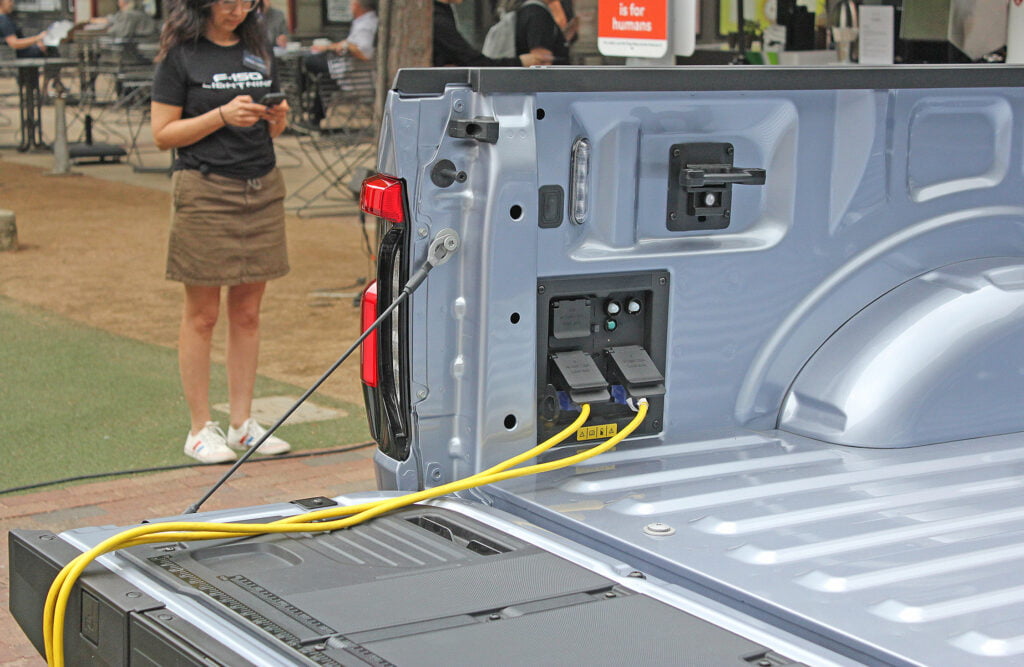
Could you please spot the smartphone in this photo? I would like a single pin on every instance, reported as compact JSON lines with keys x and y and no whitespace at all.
{"x":270,"y":99}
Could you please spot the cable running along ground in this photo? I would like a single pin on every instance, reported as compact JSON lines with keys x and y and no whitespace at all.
{"x":317,"y":521}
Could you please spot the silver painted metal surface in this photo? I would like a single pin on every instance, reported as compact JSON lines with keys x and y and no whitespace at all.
{"x":909,"y":554}
{"x":876,"y":203}
{"x":939,"y":358}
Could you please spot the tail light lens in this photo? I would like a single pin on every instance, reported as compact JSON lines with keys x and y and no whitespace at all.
{"x":382,"y":196}
{"x":368,"y":350}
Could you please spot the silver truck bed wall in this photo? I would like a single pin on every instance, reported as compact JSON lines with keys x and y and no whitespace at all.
{"x":841,"y":447}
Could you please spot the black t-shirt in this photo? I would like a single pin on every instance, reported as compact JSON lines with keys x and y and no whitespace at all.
{"x":202,"y":76}
{"x":536,"y":28}
{"x":451,"y":48}
{"x":9,"y":28}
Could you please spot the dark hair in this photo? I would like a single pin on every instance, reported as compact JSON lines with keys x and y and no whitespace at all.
{"x":186,"y":22}
{"x":368,"y":5}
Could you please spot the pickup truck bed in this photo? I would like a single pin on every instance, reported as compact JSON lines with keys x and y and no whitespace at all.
{"x":814,"y":277}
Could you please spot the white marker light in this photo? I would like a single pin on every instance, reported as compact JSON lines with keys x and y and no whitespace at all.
{"x":579,"y":180}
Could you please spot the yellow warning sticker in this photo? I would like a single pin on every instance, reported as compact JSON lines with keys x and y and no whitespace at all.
{"x":597,"y":431}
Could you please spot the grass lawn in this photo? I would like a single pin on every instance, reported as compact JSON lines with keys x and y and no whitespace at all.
{"x":75,"y":400}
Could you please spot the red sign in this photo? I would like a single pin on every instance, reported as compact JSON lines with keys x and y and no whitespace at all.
{"x":632,"y":28}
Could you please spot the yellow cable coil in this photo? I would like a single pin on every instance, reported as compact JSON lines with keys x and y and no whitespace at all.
{"x":185,"y":531}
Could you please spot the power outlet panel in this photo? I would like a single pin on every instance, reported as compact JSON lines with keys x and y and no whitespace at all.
{"x":601,"y":338}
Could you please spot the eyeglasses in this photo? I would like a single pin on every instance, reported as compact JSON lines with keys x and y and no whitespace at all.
{"x":231,"y":5}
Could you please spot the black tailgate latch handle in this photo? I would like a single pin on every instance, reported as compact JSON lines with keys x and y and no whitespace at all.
{"x":700,"y":180}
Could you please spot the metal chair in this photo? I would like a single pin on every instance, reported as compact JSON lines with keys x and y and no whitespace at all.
{"x":344,"y":143}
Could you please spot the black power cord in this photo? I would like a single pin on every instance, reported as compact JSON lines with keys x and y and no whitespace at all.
{"x":179,"y":466}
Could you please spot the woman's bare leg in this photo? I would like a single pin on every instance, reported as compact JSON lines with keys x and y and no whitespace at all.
{"x":197,"y":322}
{"x":243,"y":347}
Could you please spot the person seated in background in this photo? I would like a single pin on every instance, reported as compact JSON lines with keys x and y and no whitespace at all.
{"x":360,"y":44}
{"x":452,"y":50}
{"x":362,"y":36}
{"x":24,"y":47}
{"x":129,"y":22}
{"x":276,"y":24}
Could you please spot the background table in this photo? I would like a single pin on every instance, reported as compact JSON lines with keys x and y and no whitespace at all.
{"x":30,"y":99}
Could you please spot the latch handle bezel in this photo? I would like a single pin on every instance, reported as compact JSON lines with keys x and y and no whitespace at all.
{"x":700,"y":180}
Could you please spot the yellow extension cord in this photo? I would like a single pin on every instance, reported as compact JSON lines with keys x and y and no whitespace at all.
{"x":184,"y":531}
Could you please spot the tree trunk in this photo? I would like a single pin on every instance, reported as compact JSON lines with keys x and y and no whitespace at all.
{"x":404,"y":39}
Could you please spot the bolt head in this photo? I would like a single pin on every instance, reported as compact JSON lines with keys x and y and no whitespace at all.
{"x":659,"y":529}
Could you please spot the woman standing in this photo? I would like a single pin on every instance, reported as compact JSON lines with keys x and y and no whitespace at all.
{"x":227,"y":226}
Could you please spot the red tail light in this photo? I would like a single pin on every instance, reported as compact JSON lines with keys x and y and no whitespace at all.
{"x":368,"y":349}
{"x":382,"y":196}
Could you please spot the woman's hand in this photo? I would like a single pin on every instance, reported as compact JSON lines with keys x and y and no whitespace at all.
{"x":242,"y":112}
{"x":277,"y":117}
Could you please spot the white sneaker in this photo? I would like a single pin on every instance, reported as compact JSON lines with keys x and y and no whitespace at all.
{"x":209,"y":445}
{"x":249,"y":433}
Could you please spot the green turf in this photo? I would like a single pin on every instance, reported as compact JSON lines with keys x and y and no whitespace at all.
{"x":75,"y":400}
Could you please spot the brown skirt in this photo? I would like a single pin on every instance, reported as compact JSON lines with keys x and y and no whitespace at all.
{"x":226,"y":231}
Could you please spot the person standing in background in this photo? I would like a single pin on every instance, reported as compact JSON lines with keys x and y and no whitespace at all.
{"x":565,"y":17}
{"x":277,"y":25}
{"x":536,"y":28}
{"x":227,"y":222}
{"x":452,"y":50}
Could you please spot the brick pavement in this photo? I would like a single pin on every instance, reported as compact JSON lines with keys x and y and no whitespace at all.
{"x":126,"y":501}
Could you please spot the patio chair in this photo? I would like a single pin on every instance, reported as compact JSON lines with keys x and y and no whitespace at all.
{"x":343,"y":144}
